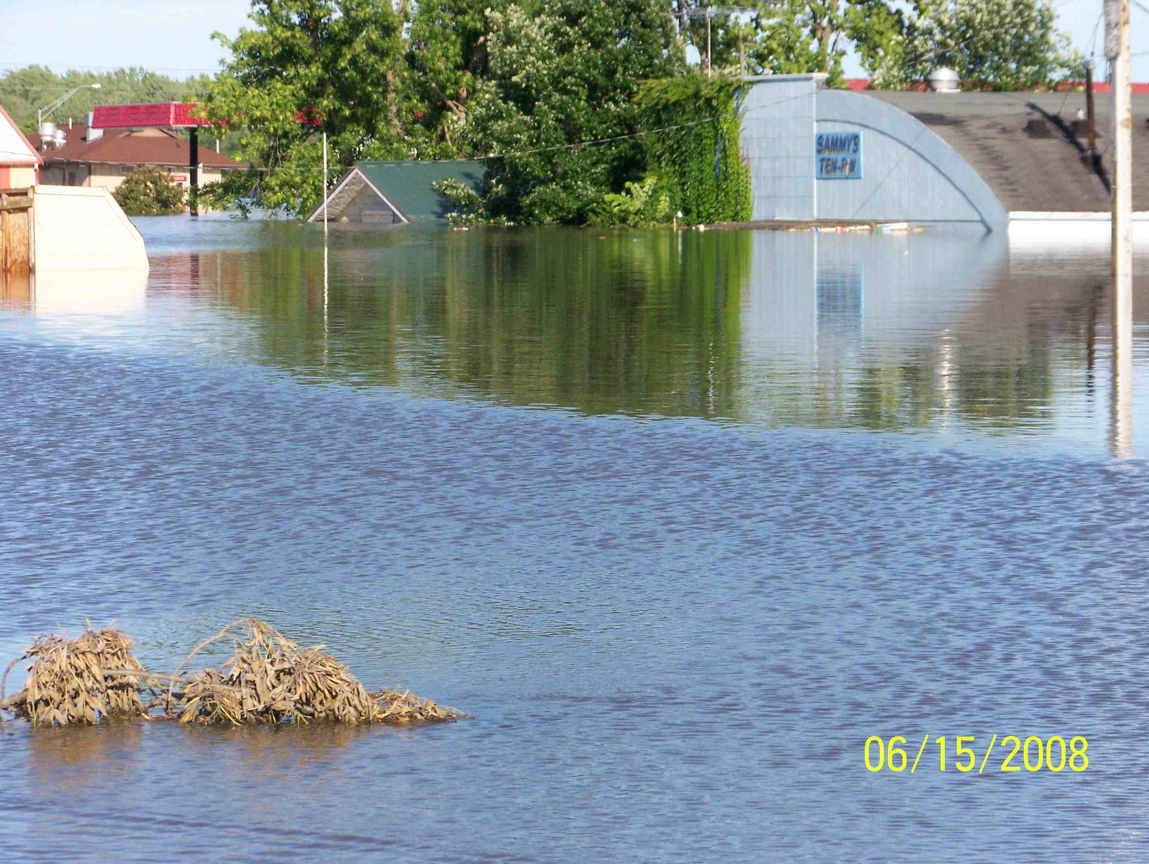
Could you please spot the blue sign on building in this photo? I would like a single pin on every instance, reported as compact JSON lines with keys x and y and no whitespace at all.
{"x":838,"y":155}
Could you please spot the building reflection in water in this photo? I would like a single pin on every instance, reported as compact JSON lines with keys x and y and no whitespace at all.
{"x":77,"y":292}
{"x":935,"y":331}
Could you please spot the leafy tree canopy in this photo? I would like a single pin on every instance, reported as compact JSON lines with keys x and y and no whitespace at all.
{"x":306,"y":68}
{"x":993,"y":44}
{"x":547,"y":92}
{"x":557,"y":80}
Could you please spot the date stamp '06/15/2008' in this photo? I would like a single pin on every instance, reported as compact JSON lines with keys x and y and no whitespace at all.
{"x":1013,"y":754}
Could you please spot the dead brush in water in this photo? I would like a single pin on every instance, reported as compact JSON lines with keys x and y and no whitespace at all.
{"x":270,"y":679}
{"x":68,"y":683}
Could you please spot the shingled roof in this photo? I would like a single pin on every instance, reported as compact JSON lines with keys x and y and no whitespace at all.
{"x":133,"y":147}
{"x":1030,"y":147}
{"x":404,"y":187}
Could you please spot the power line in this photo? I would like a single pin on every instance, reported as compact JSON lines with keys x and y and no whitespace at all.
{"x":570,"y":146}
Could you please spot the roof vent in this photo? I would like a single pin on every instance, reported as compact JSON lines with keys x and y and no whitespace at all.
{"x":51,"y":137}
{"x":943,"y":80}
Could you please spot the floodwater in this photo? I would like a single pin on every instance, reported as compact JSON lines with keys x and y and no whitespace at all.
{"x":682,"y":520}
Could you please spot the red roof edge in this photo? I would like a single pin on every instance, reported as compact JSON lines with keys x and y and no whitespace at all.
{"x":166,"y":114}
{"x":35,"y":152}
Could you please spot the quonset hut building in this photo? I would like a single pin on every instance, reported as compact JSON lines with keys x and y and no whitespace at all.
{"x":963,"y":159}
{"x":818,"y":154}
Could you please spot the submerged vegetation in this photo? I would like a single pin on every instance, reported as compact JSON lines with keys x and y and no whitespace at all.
{"x":149,"y":191}
{"x":269,"y":679}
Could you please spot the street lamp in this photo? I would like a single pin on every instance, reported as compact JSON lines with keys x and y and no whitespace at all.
{"x":48,"y":109}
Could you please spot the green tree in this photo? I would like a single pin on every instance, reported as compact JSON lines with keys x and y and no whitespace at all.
{"x":712,"y":31}
{"x":308,"y":67}
{"x":447,"y":58}
{"x":696,"y":154}
{"x":148,"y":191}
{"x":556,"y":81}
{"x":991,"y":44}
{"x":796,"y":36}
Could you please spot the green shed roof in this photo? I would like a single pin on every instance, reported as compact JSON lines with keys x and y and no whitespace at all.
{"x":407,"y":185}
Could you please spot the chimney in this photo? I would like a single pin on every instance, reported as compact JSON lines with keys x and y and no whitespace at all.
{"x":93,"y":134}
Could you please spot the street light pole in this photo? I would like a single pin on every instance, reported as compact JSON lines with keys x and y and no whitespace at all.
{"x":48,"y":109}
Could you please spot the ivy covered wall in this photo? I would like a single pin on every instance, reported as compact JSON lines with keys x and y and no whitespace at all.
{"x":699,"y":164}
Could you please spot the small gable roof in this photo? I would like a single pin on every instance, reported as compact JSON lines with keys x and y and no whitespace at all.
{"x":407,"y":186}
{"x":15,"y":148}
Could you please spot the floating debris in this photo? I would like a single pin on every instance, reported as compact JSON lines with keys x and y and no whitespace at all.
{"x":269,"y":679}
{"x":272,"y":680}
{"x":68,"y":684}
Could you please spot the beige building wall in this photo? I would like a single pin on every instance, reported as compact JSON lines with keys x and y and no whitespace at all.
{"x":102,"y":176}
{"x":20,"y":176}
{"x":111,"y":176}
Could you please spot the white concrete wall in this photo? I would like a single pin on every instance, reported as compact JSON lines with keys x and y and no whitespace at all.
{"x":778,"y":143}
{"x":1036,"y":232}
{"x":77,"y":228}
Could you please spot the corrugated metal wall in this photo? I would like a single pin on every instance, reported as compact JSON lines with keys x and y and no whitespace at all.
{"x":778,"y":140}
{"x":908,"y":173}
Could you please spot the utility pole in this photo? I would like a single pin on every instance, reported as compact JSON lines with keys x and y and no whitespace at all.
{"x":193,"y":171}
{"x":325,"y":270}
{"x":1090,"y":114}
{"x":1117,"y":50}
{"x":709,"y":62}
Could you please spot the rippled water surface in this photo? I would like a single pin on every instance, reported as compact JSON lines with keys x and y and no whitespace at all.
{"x":680,"y":519}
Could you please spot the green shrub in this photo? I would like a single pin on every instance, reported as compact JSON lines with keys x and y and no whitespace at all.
{"x":639,"y":204}
{"x":148,"y":191}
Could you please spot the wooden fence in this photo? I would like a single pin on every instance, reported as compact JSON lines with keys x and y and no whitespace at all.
{"x":16,"y":231}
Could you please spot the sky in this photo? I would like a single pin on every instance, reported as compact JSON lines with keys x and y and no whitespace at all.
{"x":175,"y":38}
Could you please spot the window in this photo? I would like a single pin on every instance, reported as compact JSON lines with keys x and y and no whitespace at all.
{"x":126,"y":169}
